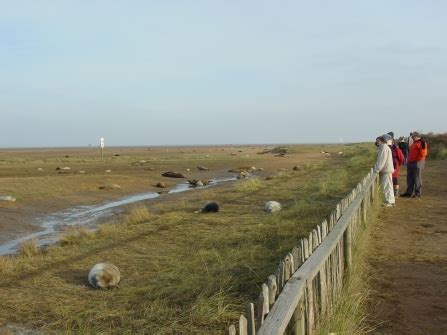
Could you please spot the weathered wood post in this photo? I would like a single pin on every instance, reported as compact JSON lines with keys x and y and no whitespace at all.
{"x":251,"y":328}
{"x":347,"y":243}
{"x":298,"y":320}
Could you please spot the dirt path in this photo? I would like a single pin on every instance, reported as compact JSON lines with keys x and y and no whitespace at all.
{"x":409,"y":260}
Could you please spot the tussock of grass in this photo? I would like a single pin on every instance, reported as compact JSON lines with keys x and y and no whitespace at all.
{"x":29,"y":248}
{"x":138,"y":214}
{"x":7,"y":264}
{"x":73,"y":235}
{"x":111,"y":228}
{"x":249,"y":185}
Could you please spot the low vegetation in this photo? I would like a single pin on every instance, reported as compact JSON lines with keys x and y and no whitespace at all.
{"x":350,"y":313}
{"x":437,"y":145}
{"x":29,"y":248}
{"x":181,"y":272}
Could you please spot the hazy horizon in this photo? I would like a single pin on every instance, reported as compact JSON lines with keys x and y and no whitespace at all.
{"x":164,"y":73}
{"x":97,"y":147}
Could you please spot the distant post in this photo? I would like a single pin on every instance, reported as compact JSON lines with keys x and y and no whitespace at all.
{"x":101,"y":143}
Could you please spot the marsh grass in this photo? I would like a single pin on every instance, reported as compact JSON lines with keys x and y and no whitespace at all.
{"x":249,"y":185}
{"x":74,"y":235}
{"x":137,"y":214}
{"x":7,"y":264}
{"x":181,"y":272}
{"x":29,"y":248}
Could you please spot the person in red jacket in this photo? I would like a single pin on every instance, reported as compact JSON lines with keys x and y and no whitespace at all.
{"x":398,"y":160}
{"x":415,"y":165}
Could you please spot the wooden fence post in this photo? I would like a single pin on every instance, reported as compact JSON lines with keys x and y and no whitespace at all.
{"x":310,"y":309}
{"x":273,"y":289}
{"x":348,"y":246}
{"x":288,"y":267}
{"x":296,"y":258}
{"x":242,"y":325}
{"x":251,"y":329}
{"x":324,"y":230}
{"x":306,"y":248}
{"x":298,"y":320}
{"x":315,"y":243}
{"x":263,"y":304}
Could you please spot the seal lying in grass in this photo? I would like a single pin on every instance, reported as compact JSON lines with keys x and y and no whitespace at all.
{"x":272,"y":206}
{"x":211,"y":207}
{"x":104,"y":276}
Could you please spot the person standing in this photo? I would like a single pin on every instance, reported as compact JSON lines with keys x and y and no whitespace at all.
{"x":415,"y":165}
{"x":403,"y":145}
{"x":384,"y":167}
{"x":398,"y":160}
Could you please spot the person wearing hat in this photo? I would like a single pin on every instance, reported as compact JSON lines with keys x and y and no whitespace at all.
{"x":403,"y":145}
{"x":384,"y":167}
{"x":416,"y":163}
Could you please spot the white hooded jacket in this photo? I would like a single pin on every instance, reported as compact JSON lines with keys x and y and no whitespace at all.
{"x":384,"y":162}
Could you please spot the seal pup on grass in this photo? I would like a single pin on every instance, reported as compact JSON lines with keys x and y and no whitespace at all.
{"x":104,"y":276}
{"x":211,"y":207}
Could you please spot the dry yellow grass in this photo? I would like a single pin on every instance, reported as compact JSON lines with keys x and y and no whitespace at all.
{"x":137,"y":214}
{"x":74,"y":235}
{"x":7,"y":264}
{"x":29,"y":248}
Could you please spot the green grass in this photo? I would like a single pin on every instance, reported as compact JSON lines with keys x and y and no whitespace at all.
{"x":181,"y":272}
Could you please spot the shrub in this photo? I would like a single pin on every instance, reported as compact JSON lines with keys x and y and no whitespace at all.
{"x":437,"y":145}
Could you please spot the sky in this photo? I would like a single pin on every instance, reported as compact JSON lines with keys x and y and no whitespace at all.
{"x":174,"y":72}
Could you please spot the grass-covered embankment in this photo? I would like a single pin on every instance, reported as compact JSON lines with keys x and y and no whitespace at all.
{"x":181,"y":271}
{"x":350,"y":314}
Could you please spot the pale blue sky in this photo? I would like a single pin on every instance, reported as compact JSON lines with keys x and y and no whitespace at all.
{"x":210,"y":72}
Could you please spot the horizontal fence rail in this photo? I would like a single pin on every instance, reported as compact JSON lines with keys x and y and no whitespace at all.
{"x":309,"y":279}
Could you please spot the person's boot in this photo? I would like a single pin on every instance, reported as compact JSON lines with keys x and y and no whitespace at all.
{"x":396,"y":192}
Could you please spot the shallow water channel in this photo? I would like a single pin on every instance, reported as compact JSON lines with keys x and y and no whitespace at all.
{"x":88,"y":216}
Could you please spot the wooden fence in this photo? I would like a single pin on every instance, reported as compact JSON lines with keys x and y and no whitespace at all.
{"x":309,"y":279}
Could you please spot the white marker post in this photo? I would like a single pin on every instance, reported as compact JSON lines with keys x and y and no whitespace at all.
{"x":101,"y":143}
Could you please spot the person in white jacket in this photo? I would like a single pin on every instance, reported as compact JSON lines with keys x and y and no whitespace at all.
{"x":384,"y":167}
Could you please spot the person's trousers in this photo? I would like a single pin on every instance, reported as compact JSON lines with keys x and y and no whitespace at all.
{"x":414,"y":177}
{"x":386,"y":181}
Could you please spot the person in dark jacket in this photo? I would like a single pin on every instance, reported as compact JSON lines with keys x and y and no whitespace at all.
{"x":403,"y":145}
{"x":416,"y":163}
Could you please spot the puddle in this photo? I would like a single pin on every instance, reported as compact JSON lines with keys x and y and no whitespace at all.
{"x":88,"y":216}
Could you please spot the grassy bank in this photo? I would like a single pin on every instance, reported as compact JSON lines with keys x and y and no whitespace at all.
{"x":181,"y":272}
{"x":350,"y":313}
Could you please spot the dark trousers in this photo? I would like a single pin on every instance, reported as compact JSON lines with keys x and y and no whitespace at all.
{"x":414,"y":177}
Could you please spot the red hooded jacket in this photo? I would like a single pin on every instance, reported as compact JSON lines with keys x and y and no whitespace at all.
{"x":398,"y":159}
